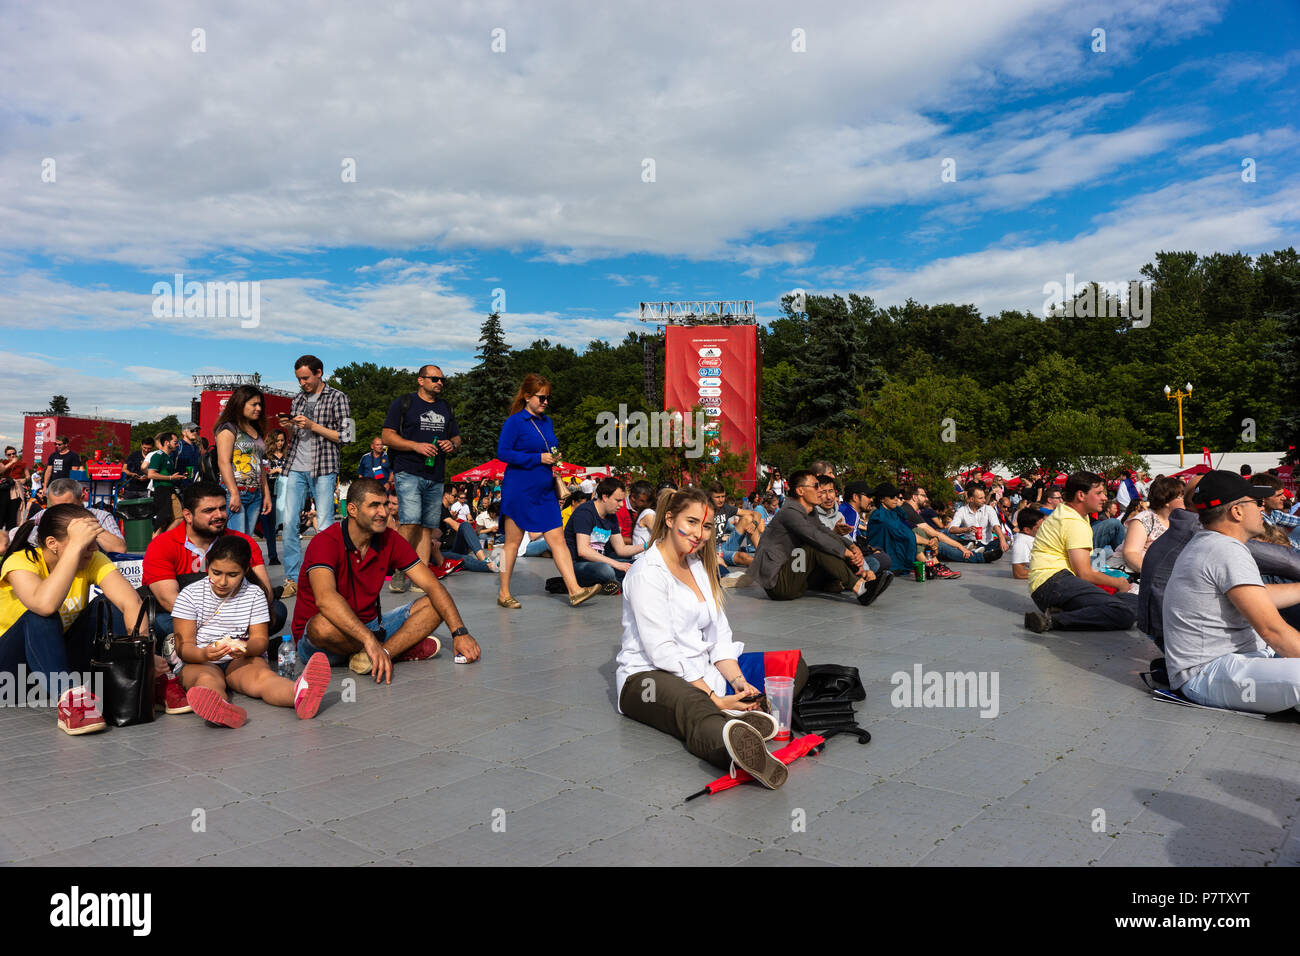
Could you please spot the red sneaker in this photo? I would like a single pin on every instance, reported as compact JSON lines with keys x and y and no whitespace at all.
{"x":449,"y":566}
{"x":311,"y":686}
{"x":79,"y":712}
{"x":420,"y":651}
{"x":169,"y":696}
{"x":214,"y":708}
{"x":943,"y":571}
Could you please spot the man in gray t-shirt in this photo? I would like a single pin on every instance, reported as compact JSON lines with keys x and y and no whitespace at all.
{"x":1225,"y":642}
{"x":1201,"y":622}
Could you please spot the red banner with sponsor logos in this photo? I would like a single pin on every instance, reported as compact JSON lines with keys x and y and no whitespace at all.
{"x":213,"y":403}
{"x":716,"y":367}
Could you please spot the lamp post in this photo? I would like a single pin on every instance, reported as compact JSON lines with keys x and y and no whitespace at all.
{"x":1178,"y":395}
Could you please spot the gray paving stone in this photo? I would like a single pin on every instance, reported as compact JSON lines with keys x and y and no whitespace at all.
{"x":537,"y":834}
{"x":776,"y":857}
{"x":535,"y":734}
{"x":425,"y":818}
{"x":980,"y":767}
{"x":291,"y":771}
{"x":1025,"y":838}
{"x":1142,"y":744}
{"x":1075,"y":787}
{"x":310,"y":847}
{"x":343,"y":796}
{"x":892,"y":824}
{"x":415,"y":768}
{"x":663,"y":841}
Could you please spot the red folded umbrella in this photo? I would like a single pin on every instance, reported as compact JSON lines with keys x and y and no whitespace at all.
{"x":787,"y":755}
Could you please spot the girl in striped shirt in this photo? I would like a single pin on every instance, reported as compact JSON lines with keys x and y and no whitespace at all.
{"x":221,"y":634}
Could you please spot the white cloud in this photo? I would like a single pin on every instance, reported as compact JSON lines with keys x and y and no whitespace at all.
{"x":165,"y":155}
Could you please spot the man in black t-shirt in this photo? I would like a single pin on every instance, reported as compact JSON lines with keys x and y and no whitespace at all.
{"x":420,"y":431}
{"x":594,"y":540}
{"x":137,"y":485}
{"x":61,"y":463}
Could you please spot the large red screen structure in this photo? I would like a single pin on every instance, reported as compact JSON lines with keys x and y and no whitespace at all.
{"x":717,"y":366}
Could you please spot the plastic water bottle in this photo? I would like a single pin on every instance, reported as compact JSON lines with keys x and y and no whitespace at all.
{"x":287,"y":663}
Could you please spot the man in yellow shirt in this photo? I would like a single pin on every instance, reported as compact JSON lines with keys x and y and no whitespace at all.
{"x":1061,"y":579}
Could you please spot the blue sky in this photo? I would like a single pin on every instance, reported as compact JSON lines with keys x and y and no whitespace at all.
{"x":523,"y":170}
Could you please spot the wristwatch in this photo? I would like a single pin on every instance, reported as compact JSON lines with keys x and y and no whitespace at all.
{"x":460,"y":631}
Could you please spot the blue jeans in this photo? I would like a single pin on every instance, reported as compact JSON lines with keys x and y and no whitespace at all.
{"x":1109,"y":532}
{"x":40,"y":642}
{"x":537,"y":548}
{"x":391,"y":622}
{"x":298,"y":487}
{"x":950,"y":555}
{"x":464,"y":547}
{"x":250,"y":512}
{"x":595,"y":572}
{"x":736,"y":542}
{"x":269,"y":522}
{"x":419,"y":500}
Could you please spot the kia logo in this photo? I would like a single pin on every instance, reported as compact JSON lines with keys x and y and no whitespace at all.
{"x":713,"y":363}
{"x":710,"y":353}
{"x":710,"y":391}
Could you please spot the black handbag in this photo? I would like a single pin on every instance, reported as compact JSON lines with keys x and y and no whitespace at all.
{"x":126,"y":667}
{"x":825,"y":705}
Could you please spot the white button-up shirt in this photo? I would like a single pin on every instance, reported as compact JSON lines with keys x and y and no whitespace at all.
{"x":661,"y":626}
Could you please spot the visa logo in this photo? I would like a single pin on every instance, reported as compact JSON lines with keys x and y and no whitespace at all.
{"x":713,"y":412}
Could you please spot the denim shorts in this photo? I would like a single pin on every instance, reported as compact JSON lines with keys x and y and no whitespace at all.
{"x":391,"y":621}
{"x":419,"y":500}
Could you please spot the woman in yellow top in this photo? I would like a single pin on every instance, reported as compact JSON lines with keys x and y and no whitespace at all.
{"x":47,"y":619}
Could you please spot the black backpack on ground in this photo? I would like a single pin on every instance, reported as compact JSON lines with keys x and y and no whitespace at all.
{"x":825,"y":705}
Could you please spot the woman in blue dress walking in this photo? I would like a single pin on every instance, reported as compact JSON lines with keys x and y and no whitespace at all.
{"x":527,"y":445}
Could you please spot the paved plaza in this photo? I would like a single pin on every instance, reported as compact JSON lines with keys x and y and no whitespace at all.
{"x":522,"y":758}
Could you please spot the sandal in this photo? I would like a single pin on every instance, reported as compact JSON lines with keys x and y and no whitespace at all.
{"x":509,"y":602}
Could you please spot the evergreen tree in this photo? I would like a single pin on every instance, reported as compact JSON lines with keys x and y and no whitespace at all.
{"x":488,"y":389}
{"x":59,"y":405}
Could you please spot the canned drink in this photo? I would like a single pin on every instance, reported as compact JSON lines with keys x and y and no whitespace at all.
{"x":979,"y":534}
{"x":920,"y":571}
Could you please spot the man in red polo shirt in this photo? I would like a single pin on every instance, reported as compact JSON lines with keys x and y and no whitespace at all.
{"x":178,"y":557}
{"x":342,"y":574}
{"x":640,"y":496}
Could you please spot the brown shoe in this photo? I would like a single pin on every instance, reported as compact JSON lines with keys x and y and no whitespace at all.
{"x":584,"y":595}
{"x":509,"y":602}
{"x":290,"y":589}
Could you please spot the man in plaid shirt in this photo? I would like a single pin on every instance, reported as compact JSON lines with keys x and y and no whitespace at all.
{"x":315,"y":424}
{"x":1275,"y":510}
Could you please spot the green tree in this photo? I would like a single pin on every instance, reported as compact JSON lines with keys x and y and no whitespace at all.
{"x":487,"y":390}
{"x":370,"y":389}
{"x":58,"y":405}
{"x":143,"y":430}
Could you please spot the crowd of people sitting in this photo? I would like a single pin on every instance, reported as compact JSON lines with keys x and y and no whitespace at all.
{"x":1208,"y":567}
